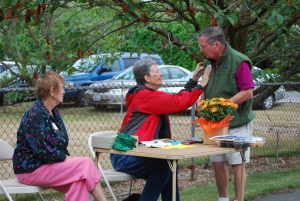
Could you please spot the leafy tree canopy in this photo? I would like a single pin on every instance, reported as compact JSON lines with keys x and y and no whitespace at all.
{"x":266,"y":31}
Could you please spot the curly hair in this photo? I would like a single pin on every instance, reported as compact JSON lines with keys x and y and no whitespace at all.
{"x":142,"y":68}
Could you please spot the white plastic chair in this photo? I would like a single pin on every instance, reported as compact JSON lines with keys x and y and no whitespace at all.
{"x":13,"y":186}
{"x":111,"y":174}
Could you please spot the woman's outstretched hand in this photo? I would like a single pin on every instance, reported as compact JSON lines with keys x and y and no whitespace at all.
{"x":198,"y":72}
{"x":205,"y":77}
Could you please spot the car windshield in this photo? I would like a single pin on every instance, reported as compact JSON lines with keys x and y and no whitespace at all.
{"x":125,"y":75}
{"x":86,"y":65}
{"x":7,"y":76}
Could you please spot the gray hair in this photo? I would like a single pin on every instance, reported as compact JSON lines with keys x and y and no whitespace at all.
{"x":142,"y":68}
{"x":213,"y":34}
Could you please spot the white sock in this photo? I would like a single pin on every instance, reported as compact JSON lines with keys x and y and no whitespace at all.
{"x":223,"y":199}
{"x":235,"y":200}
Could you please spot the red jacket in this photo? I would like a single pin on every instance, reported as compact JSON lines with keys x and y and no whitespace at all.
{"x":147,"y":110}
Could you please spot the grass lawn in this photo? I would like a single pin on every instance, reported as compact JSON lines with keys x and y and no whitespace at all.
{"x":257,"y":184}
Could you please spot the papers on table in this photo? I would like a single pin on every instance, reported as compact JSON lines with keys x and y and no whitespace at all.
{"x":155,"y":143}
{"x":167,"y":144}
{"x":178,"y":146}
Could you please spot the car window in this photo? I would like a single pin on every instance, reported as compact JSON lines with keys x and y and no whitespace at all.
{"x":176,"y":73}
{"x":165,"y":73}
{"x":86,"y":65}
{"x":8,"y":74}
{"x":189,"y":76}
{"x":125,"y":75}
{"x":115,"y":67}
{"x":130,"y":61}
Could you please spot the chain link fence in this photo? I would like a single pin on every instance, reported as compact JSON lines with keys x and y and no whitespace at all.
{"x":104,"y":110}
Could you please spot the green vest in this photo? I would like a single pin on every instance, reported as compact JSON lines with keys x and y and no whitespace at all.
{"x":223,"y":84}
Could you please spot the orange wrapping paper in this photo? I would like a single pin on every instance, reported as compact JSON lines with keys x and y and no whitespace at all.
{"x":207,"y":126}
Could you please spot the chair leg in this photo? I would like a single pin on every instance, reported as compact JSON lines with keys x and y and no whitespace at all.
{"x":9,"y":197}
{"x":41,"y":196}
{"x":15,"y":197}
{"x":130,"y":187}
{"x":2,"y":187}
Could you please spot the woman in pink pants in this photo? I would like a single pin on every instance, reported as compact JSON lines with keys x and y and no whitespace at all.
{"x":41,"y":157}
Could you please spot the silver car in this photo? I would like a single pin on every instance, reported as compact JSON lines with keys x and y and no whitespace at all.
{"x":112,"y":92}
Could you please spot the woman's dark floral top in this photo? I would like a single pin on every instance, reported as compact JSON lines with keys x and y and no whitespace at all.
{"x":41,"y":139}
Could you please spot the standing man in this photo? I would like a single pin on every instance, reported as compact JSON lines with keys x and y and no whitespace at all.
{"x":230,"y":78}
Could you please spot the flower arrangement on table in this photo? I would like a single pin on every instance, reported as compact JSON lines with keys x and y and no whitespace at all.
{"x":215,"y":113}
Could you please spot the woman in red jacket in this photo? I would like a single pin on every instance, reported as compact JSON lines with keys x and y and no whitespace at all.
{"x":147,"y":118}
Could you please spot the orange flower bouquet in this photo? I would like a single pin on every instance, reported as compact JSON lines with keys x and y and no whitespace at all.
{"x":215,"y":113}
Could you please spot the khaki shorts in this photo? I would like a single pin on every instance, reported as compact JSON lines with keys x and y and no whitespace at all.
{"x":235,"y":158}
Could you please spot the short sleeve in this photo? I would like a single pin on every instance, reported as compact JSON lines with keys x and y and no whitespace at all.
{"x":244,"y":78}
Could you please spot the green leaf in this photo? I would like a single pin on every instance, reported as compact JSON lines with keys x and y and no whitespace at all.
{"x":131,"y":8}
{"x":280,"y":18}
{"x":274,"y":27}
{"x":7,"y":3}
{"x":54,"y":7}
{"x":270,"y":21}
{"x":190,"y":50}
{"x":235,"y":17}
{"x":296,"y":7}
{"x":216,"y":15}
{"x":231,"y":19}
{"x":278,"y":31}
{"x":220,"y":20}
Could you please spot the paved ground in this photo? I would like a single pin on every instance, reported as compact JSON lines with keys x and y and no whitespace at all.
{"x":287,"y":195}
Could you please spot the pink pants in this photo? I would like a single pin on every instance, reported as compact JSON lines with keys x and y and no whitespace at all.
{"x":74,"y":177}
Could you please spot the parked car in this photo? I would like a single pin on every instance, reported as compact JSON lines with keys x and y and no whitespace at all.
{"x":5,"y":81}
{"x":9,"y":64}
{"x":96,"y":68}
{"x":9,"y":80}
{"x":112,"y":92}
{"x":279,"y":94}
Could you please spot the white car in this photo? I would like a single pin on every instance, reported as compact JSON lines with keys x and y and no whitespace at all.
{"x":268,"y":103}
{"x":4,"y":64}
{"x":112,"y":92}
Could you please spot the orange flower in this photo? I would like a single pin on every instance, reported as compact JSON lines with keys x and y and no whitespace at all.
{"x":213,"y":109}
{"x":216,"y":109}
{"x":212,"y":103}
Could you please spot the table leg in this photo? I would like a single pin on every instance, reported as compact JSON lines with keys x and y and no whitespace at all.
{"x":243,"y":175}
{"x":96,"y":158}
{"x":173,"y":167}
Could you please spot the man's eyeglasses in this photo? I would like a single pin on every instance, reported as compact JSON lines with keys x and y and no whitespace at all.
{"x":202,"y":47}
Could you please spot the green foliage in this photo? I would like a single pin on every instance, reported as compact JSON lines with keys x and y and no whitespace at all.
{"x":260,"y":75}
{"x":167,"y":29}
{"x":147,"y":41}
